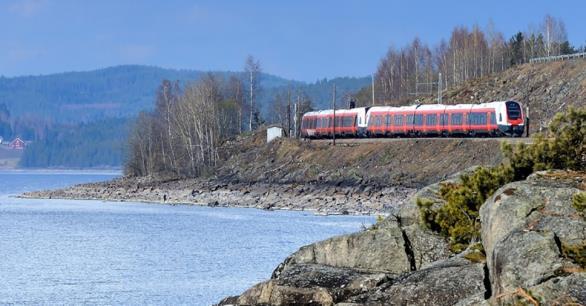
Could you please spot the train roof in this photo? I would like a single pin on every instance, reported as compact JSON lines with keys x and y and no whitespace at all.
{"x":338,"y":111}
{"x":410,"y":108}
{"x":392,"y":108}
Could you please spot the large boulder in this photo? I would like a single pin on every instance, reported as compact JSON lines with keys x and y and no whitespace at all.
{"x":445,"y":282}
{"x":387,"y":247}
{"x":309,"y":284}
{"x":527,"y":229}
{"x":380,"y":249}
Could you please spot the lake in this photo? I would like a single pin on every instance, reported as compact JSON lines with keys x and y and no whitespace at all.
{"x":96,"y":252}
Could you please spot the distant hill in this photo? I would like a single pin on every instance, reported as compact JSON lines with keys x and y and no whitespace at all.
{"x":81,"y":119}
{"x":123,"y":91}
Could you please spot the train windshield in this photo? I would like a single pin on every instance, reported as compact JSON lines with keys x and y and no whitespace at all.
{"x":513,"y":110}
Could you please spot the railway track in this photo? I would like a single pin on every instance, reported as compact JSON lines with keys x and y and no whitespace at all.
{"x":391,"y":140}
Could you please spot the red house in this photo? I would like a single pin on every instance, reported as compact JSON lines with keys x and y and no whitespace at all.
{"x":17,"y":144}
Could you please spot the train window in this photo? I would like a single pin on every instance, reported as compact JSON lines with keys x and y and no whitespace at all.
{"x":500,"y":117}
{"x":409,"y":120}
{"x":378,"y":120}
{"x":347,"y":122}
{"x":456,"y":119}
{"x":513,"y":110}
{"x":314,"y":123}
{"x":430,"y":119}
{"x":388,"y":120}
{"x":418,"y":120}
{"x":492,"y":118}
{"x":398,"y":120}
{"x":444,"y":119}
{"x":477,"y":118}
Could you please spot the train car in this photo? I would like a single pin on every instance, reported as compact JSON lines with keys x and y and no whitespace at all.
{"x":486,"y":119}
{"x":502,"y":118}
{"x":319,"y":124}
{"x":510,"y":118}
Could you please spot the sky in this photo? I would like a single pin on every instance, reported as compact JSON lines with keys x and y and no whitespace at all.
{"x":299,"y":39}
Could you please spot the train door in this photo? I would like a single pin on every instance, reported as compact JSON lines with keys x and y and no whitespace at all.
{"x":444,"y":117}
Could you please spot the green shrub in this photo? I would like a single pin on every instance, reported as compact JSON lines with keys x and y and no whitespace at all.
{"x":476,"y":254}
{"x":427,"y":215}
{"x":380,"y":219}
{"x":458,"y":219}
{"x":378,"y":222}
{"x":575,"y":252}
{"x":579,"y":202}
{"x":563,"y":147}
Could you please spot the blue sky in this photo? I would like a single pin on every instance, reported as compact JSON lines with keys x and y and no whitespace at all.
{"x":301,"y":39}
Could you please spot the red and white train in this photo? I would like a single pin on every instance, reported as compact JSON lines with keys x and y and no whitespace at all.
{"x":503,"y":118}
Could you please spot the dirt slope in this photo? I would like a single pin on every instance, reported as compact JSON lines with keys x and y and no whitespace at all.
{"x":405,"y":162}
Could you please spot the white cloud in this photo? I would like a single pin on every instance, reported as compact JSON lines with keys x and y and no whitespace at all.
{"x":26,"y":8}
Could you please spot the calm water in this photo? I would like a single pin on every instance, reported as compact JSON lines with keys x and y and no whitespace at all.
{"x":93,"y":252}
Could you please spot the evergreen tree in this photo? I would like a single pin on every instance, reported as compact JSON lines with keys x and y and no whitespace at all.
{"x":517,"y":49}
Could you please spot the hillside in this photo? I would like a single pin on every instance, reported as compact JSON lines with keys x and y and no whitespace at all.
{"x":375,"y":164}
{"x":545,"y":88}
{"x":123,"y":91}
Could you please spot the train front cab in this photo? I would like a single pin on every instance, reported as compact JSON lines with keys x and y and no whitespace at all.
{"x":510,"y":119}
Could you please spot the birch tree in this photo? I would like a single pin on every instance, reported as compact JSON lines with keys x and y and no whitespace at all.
{"x":252,"y":71}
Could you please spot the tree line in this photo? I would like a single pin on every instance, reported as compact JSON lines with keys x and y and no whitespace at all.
{"x":182,"y":136}
{"x":418,"y":69}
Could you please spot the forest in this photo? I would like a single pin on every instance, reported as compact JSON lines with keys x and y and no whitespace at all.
{"x":100,"y":144}
{"x":417,"y":69}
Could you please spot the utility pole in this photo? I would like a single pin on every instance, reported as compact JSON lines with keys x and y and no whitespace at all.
{"x":372,"y":79}
{"x":527,"y":119}
{"x":295,"y":117}
{"x":251,"y":101}
{"x":439,"y":89}
{"x":334,"y":124}
{"x":289,"y":113}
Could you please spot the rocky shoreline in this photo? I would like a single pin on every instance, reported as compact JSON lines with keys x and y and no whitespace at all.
{"x":534,"y":254}
{"x":319,"y":198}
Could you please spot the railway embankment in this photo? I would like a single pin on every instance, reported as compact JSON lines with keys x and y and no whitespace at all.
{"x":350,"y":178}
